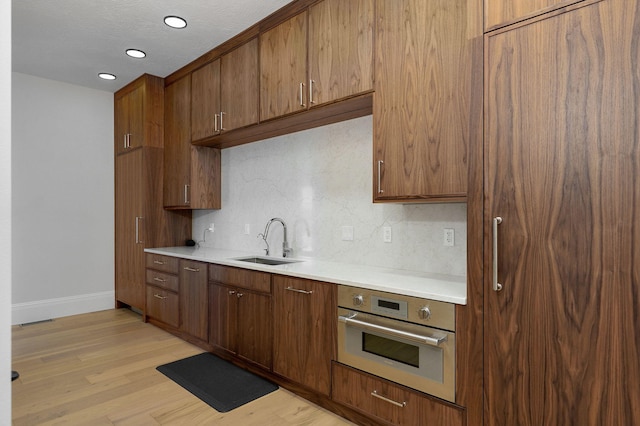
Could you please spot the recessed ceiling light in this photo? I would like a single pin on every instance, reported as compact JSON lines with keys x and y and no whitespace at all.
{"x":175,"y":21}
{"x":106,"y":76}
{"x":135,"y":53}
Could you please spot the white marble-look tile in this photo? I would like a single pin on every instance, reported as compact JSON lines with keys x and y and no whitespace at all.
{"x":318,"y":181}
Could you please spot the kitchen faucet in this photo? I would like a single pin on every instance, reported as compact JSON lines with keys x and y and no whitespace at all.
{"x":286,"y":250}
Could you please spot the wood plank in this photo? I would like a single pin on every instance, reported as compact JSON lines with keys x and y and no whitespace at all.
{"x":99,"y":369}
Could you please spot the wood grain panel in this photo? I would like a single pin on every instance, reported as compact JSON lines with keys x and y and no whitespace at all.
{"x":355,"y":388}
{"x":163,"y":305}
{"x":177,"y":148}
{"x":499,"y":13}
{"x":283,"y":67}
{"x":423,"y":76}
{"x":194,"y":306}
{"x":129,"y":251}
{"x":304,"y":342}
{"x":238,"y":277}
{"x":563,"y":101}
{"x":223,"y":311}
{"x":254,"y":339}
{"x":162,"y":263}
{"x":239,"y":91}
{"x":162,"y":280}
{"x":205,"y":100}
{"x":340,"y":49}
{"x":205,"y":178}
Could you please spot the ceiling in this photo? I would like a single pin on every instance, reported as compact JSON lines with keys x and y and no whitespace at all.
{"x":74,"y":40}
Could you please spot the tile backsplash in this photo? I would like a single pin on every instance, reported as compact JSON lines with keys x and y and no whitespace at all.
{"x":320,"y":182}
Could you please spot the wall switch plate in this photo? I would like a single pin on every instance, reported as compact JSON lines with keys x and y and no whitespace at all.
{"x":386,"y":234}
{"x":247,"y":229}
{"x":347,"y":233}
{"x":449,"y":237}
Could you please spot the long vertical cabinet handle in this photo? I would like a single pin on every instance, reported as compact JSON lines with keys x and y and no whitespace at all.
{"x":221,"y":125}
{"x":215,"y":123}
{"x":496,"y":285}
{"x":138,"y":240}
{"x":380,"y":163}
{"x":302,"y":95}
{"x":186,"y":194}
{"x":311,"y":92}
{"x":124,"y":141}
{"x":128,"y":140}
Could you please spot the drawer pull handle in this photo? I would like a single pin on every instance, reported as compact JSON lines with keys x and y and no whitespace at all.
{"x":160,"y":280}
{"x":299,"y":291}
{"x":390,"y":401}
{"x":158,"y":262}
{"x":157,"y":296}
{"x":186,"y":268}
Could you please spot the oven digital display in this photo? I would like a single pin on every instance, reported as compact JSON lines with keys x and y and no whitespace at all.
{"x":391,"y":349}
{"x":388,"y":304}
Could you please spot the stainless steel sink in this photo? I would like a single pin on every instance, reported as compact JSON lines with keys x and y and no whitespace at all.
{"x":266,"y":260}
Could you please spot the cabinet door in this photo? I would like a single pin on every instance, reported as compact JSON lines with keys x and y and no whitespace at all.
{"x":222,"y":316}
{"x":194,"y":300}
{"x":304,"y":330}
{"x":205,"y":101}
{"x":423,"y":99}
{"x":129,"y":120}
{"x":340,"y":49}
{"x":283,"y":68}
{"x":503,"y":12}
{"x":129,"y":223}
{"x":239,"y":90}
{"x":254,"y":334}
{"x":562,"y":155}
{"x":177,"y":143}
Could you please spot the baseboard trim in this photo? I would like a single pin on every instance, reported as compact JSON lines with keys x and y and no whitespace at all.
{"x":40,"y":310}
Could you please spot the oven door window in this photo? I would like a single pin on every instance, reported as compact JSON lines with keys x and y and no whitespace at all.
{"x":395,"y":350}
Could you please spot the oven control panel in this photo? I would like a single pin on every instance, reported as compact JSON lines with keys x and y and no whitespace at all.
{"x":407,"y":308}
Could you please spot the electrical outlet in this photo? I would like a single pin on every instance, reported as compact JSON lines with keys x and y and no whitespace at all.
{"x":247,"y":229}
{"x":449,"y":237}
{"x":347,"y":233}
{"x":211,"y":227}
{"x":386,"y":234}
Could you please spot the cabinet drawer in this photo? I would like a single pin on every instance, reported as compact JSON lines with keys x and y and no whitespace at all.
{"x":237,"y":277}
{"x":162,"y":305}
{"x":389,"y":402}
{"x":162,"y":263}
{"x":165,"y":281}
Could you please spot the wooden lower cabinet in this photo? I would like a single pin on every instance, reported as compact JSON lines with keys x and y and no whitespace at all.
{"x":388,"y":402}
{"x":304,"y":314}
{"x":163,"y":305}
{"x":240,"y":323}
{"x":194,"y":300}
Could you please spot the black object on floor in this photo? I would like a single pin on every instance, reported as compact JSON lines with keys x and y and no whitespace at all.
{"x":217,"y":382}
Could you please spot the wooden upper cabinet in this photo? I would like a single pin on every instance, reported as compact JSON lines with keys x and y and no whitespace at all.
{"x":224,"y":93}
{"x":136,"y":108}
{"x":340,"y":49}
{"x":499,"y":13}
{"x":427,"y":100}
{"x":205,"y":101}
{"x":239,"y":87}
{"x":283,"y":68}
{"x":191,"y":174}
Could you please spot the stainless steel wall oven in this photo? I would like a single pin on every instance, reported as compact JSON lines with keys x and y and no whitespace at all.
{"x":408,"y":340}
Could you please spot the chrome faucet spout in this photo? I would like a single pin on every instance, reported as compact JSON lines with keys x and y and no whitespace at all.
{"x":286,"y":250}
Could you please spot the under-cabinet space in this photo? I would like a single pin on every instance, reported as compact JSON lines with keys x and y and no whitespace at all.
{"x":390,"y":403}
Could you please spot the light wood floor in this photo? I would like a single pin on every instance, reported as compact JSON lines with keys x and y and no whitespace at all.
{"x":99,"y":369}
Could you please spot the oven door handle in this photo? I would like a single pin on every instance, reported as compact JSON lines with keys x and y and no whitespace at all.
{"x":435,"y":340}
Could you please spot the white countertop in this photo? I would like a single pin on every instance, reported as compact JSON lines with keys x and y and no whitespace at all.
{"x":444,"y":288}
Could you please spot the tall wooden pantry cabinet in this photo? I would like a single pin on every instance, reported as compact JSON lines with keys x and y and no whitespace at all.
{"x":562,"y":218}
{"x":140,"y":220}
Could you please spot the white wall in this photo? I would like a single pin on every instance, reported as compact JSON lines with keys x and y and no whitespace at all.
{"x":62,"y":190}
{"x":5,"y":212}
{"x":320,"y":181}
